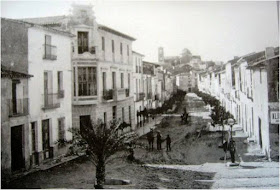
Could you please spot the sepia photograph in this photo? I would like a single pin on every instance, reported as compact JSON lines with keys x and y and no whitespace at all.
{"x":137,"y":94}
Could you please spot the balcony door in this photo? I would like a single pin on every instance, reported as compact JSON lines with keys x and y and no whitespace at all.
{"x":114,"y":80}
{"x":82,"y":42}
{"x":47,"y":87}
{"x":104,"y":80}
{"x":14,"y":96}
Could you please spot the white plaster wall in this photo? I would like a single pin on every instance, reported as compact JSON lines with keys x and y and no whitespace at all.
{"x":261,"y":107}
{"x":108,"y":55}
{"x":37,"y":66}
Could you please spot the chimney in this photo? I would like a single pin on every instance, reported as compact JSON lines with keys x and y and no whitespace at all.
{"x":269,"y":52}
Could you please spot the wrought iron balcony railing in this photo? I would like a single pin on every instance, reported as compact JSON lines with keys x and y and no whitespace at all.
{"x":156,"y":97}
{"x":50,"y":52}
{"x":60,"y":93}
{"x":50,"y":101}
{"x":149,"y":95}
{"x":18,"y":107}
{"x":140,"y":96}
{"x":127,"y":92}
{"x":108,"y":94}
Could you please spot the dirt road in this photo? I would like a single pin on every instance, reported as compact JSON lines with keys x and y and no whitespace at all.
{"x":186,"y":147}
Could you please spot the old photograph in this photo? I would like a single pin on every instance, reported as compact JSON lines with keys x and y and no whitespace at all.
{"x":126,"y":94}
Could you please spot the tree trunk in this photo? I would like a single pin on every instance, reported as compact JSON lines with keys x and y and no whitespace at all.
{"x":100,"y":174}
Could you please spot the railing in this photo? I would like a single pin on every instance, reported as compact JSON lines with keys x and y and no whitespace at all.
{"x":50,"y":101}
{"x":108,"y":94}
{"x":156,"y":97}
{"x":60,"y":94}
{"x":127,"y":92}
{"x":119,"y":94}
{"x":149,"y":95}
{"x":92,"y":50}
{"x":18,"y":107}
{"x":50,"y":52}
{"x":140,"y":96}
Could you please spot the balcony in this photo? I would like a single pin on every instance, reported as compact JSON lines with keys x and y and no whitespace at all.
{"x":85,"y":52}
{"x":140,"y":96}
{"x":108,"y":94}
{"x":149,"y":95}
{"x":127,"y":92}
{"x":156,"y":97}
{"x":50,"y":52}
{"x":50,"y":101}
{"x":119,"y":94}
{"x":18,"y":107}
{"x":60,"y":94}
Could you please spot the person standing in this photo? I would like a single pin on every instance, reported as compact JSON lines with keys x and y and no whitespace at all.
{"x":232,"y":150}
{"x":158,"y":141}
{"x":168,"y":143}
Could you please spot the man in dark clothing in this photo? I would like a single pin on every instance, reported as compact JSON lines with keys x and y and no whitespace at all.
{"x":232,"y":150}
{"x":168,"y":143}
{"x":158,"y":141}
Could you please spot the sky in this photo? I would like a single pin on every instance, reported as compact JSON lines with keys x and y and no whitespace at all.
{"x":215,"y":30}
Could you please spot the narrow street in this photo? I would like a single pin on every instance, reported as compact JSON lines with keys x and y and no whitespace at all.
{"x":193,"y":162}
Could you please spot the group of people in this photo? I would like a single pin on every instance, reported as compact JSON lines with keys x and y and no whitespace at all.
{"x":151,"y":137}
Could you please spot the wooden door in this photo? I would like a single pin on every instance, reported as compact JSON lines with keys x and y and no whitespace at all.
{"x":17,"y":148}
{"x":46,"y":137}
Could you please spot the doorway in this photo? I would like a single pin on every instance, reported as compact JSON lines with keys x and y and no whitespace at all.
{"x":17,"y":148}
{"x":84,"y":123}
{"x":260,"y":131}
{"x":46,"y":138}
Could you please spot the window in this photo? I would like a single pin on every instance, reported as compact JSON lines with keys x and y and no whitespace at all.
{"x":113,"y":80}
{"x":123,"y":114}
{"x":260,"y":75}
{"x":82,"y":42}
{"x":61,"y":128}
{"x":104,"y":80}
{"x":50,"y":51}
{"x":127,"y":50}
{"x":121,"y":48}
{"x":60,"y":81}
{"x":87,"y":81}
{"x":233,"y":77}
{"x":122,"y":86}
{"x":129,"y":110}
{"x":74,"y":78}
{"x":240,"y":80}
{"x":103,"y":44}
{"x":114,"y":111}
{"x":113,"y":46}
{"x":128,"y":80}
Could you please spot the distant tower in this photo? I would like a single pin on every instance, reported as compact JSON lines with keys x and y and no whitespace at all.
{"x":160,"y":55}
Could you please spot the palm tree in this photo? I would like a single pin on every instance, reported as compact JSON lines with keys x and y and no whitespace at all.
{"x":101,"y":142}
